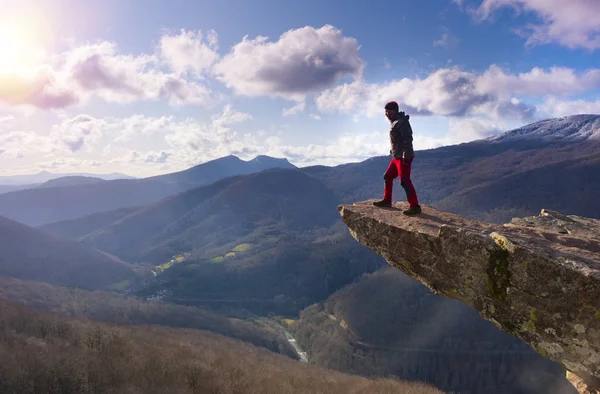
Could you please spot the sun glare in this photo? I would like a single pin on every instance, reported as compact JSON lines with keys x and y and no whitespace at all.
{"x":19,"y":49}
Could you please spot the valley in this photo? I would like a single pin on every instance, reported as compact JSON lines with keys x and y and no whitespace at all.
{"x":262,"y":257}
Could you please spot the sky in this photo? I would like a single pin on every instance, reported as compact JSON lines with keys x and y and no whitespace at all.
{"x":147,"y":87}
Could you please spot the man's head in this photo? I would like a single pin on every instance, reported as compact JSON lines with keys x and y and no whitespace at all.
{"x":391,"y":110}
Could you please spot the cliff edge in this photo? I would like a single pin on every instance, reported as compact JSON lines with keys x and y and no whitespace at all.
{"x":537,"y":278}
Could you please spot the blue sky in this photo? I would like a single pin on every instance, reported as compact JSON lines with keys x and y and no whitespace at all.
{"x":148,"y":87}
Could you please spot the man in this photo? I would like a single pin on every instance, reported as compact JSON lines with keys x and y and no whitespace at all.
{"x":402,"y":158}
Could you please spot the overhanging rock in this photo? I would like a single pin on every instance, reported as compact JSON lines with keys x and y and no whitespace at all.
{"x":537,"y":278}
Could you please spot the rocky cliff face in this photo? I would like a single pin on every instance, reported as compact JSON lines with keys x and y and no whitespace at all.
{"x":537,"y":278}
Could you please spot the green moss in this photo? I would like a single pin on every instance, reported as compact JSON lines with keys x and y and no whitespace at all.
{"x":597,"y":314}
{"x":532,"y":314}
{"x":498,"y":278}
{"x":230,"y":254}
{"x":532,"y":319}
{"x":500,"y":242}
{"x":218,"y":259}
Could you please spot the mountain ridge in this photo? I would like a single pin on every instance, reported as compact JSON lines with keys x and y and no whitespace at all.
{"x":45,"y":205}
{"x":45,"y":176}
{"x":32,"y":254}
{"x":568,"y":128}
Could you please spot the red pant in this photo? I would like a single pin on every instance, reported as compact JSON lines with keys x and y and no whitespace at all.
{"x":397,"y":168}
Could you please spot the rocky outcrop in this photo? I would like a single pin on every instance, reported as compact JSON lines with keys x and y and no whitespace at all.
{"x":537,"y":278}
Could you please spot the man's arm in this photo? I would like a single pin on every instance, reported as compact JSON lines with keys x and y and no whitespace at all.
{"x":406,"y":135}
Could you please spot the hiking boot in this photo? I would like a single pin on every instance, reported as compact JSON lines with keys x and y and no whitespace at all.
{"x":413,"y":210}
{"x":383,"y":204}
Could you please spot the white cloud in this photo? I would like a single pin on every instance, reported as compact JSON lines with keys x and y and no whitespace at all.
{"x":469,"y":129}
{"x":70,"y":162}
{"x":137,"y":157}
{"x":573,"y":24}
{"x":343,"y":98}
{"x":187,"y":51}
{"x":18,"y":144}
{"x":554,"y":107}
{"x":561,"y":81}
{"x":447,"y":92}
{"x":346,"y":148}
{"x":6,"y":122}
{"x":72,"y":77}
{"x":42,"y":89}
{"x":301,"y":61}
{"x":76,"y":133}
{"x":447,"y":41}
{"x":138,"y":125}
{"x":454,"y":92}
{"x":99,"y":69}
{"x":193,"y":140}
{"x":296,"y":109}
{"x":315,"y":116}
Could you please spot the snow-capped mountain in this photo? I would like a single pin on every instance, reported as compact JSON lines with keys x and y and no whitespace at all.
{"x":569,"y":128}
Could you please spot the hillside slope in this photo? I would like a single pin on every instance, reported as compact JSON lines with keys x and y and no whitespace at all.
{"x":126,"y":310}
{"x":282,"y":201}
{"x":266,"y":242}
{"x":43,"y":352}
{"x":387,"y":324}
{"x":45,"y":205}
{"x":29,"y":253}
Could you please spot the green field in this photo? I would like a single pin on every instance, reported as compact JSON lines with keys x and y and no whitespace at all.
{"x":120,"y":286}
{"x":175,"y":260}
{"x":242,"y":248}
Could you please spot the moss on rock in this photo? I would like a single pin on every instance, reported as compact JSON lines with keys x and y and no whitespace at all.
{"x":498,"y":278}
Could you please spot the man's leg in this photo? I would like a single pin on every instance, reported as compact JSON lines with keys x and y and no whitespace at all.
{"x":390,"y":174}
{"x":405,"y":181}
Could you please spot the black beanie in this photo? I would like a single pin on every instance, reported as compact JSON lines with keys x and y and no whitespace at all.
{"x":392,"y":105}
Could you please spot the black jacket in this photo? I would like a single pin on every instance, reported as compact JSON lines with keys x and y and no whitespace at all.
{"x":401,"y":137}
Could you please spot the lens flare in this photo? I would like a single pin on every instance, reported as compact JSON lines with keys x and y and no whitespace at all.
{"x":20,"y":48}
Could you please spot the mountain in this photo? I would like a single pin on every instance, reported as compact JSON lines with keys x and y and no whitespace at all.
{"x":550,"y":164}
{"x":387,"y":324}
{"x":214,"y":215}
{"x":269,"y":241}
{"x":71,"y":181}
{"x":45,"y":205}
{"x":48,"y":353}
{"x":215,"y":170}
{"x":14,"y":188}
{"x":567,"y":129}
{"x":28,"y":253}
{"x":45,"y":176}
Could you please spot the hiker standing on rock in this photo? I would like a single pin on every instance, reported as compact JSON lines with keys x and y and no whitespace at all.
{"x":402,"y":157}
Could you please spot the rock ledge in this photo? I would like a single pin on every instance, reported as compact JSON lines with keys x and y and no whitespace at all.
{"x":537,"y":278}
